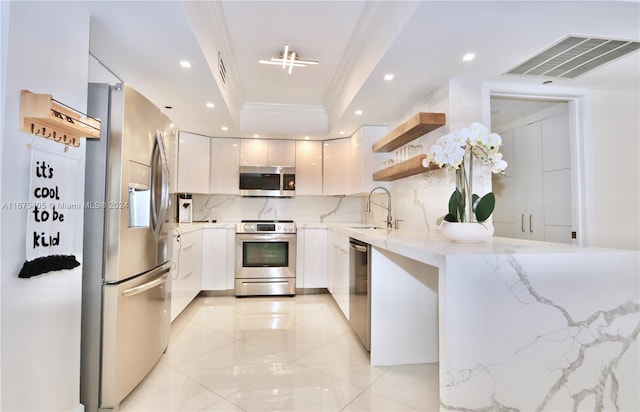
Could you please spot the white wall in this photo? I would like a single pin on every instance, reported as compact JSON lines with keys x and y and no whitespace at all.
{"x":4,"y":42}
{"x":610,"y":146}
{"x":47,"y":52}
{"x":420,"y":200}
{"x":613,"y":163}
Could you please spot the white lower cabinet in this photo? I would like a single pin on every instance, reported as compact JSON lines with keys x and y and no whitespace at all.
{"x":218,"y":256}
{"x":186,"y":281}
{"x":311,"y":263}
{"x":339,"y":270}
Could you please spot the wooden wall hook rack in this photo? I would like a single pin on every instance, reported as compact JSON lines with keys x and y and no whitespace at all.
{"x":43,"y":116}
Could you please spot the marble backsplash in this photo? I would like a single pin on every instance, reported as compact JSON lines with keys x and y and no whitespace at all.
{"x":231,"y":208}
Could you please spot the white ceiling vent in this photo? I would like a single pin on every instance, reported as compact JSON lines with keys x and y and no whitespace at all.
{"x":574,"y":56}
{"x":222,"y":70}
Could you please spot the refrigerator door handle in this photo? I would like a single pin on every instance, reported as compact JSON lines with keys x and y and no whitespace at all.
{"x":162,"y":277}
{"x":160,"y":173}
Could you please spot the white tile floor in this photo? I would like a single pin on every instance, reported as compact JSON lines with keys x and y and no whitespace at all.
{"x":278,"y":353}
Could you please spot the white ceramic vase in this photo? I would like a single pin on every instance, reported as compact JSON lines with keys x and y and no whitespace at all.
{"x":467,"y":232}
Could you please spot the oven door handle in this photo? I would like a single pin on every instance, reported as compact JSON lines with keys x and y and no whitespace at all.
{"x":266,"y":237}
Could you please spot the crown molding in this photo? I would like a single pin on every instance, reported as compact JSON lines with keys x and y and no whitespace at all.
{"x":378,"y":26}
{"x":212,"y":33}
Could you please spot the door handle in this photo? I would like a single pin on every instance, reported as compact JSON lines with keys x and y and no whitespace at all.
{"x":522,"y":223}
{"x":530,"y":223}
{"x":146,"y":286}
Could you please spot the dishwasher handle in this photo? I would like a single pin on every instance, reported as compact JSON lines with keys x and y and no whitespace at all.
{"x":358,"y":247}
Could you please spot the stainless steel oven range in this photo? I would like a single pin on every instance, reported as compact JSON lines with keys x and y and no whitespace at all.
{"x":265,"y":258}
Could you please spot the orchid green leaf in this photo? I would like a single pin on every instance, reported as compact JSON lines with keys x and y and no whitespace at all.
{"x":485,"y":207}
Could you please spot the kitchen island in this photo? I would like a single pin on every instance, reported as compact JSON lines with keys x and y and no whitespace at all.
{"x":514,"y":324}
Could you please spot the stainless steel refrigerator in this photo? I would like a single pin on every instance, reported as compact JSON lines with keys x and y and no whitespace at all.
{"x":126,"y":283}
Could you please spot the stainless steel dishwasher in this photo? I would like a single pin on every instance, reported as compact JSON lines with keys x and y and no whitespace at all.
{"x":359,"y":289}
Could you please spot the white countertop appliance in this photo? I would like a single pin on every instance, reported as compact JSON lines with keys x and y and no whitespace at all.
{"x":265,"y":258}
{"x":126,"y":284}
{"x":185,"y":208}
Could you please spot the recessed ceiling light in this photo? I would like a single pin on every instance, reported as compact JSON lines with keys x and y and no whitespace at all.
{"x":307,"y":138}
{"x":210,"y":105}
{"x":342,"y":132}
{"x":257,"y":136}
{"x":468,"y":57}
{"x":388,"y":77}
{"x":358,"y":112}
{"x":185,"y":64}
{"x":225,"y":128}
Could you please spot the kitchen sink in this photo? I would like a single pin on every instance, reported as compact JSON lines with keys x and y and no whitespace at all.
{"x":365,"y":227}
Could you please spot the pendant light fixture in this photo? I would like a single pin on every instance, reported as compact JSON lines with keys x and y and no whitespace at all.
{"x":288,"y":59}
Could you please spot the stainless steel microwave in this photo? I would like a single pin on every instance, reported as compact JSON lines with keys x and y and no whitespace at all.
{"x":269,"y":181}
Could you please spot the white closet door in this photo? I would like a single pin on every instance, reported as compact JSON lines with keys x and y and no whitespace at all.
{"x":533,"y":200}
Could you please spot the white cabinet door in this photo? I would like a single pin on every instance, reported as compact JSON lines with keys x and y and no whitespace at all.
{"x":253,"y":152}
{"x":263,"y":152}
{"x":335,"y":170}
{"x":528,"y":182}
{"x":339,"y":270}
{"x":364,"y":161}
{"x":308,"y":167}
{"x":281,"y":153}
{"x":187,"y":282}
{"x":225,"y":159}
{"x":231,"y":258}
{"x":314,"y":269}
{"x":214,"y":259}
{"x":193,"y":163}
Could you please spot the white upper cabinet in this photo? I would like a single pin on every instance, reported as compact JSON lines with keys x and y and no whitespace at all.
{"x":193,"y":163}
{"x":262,"y":152}
{"x":308,"y":167}
{"x":253,"y":152}
{"x":335,"y":170}
{"x":281,"y":153}
{"x":364,"y":161}
{"x":225,"y":160}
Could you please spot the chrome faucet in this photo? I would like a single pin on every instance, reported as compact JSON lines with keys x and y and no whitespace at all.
{"x":389,"y":220}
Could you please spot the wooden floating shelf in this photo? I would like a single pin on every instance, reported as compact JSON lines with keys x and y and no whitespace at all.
{"x":419,"y":125}
{"x":409,"y":167}
{"x":41,"y":115}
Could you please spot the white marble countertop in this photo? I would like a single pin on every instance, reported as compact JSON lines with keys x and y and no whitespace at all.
{"x":433,"y":248}
{"x":429,"y":248}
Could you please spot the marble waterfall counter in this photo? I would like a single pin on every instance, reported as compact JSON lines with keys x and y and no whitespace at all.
{"x":514,"y":325}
